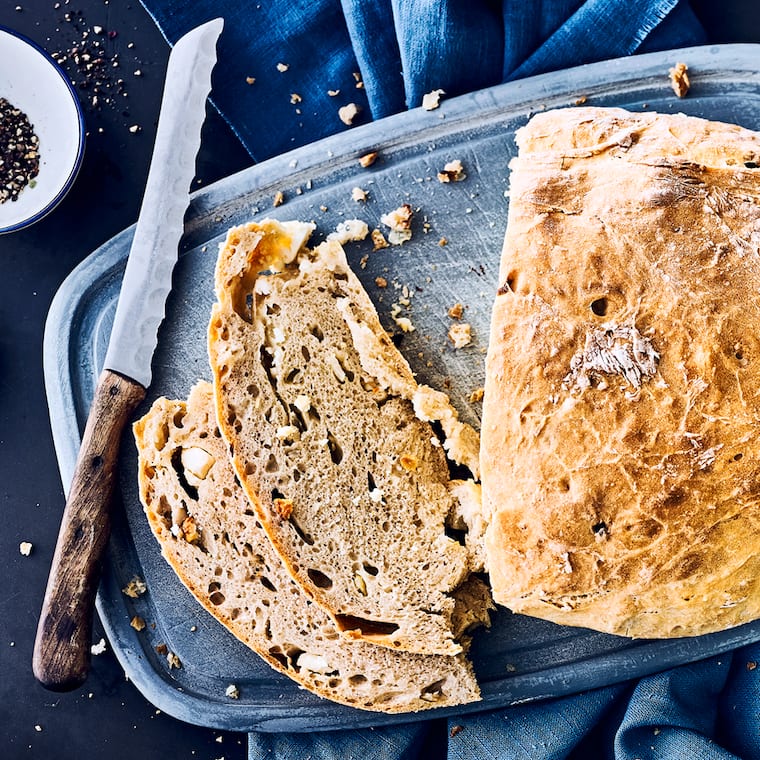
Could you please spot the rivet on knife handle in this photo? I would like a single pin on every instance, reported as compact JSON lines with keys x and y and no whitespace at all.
{"x":62,"y":648}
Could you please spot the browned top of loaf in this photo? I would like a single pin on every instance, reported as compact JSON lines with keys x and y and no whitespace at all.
{"x":620,"y":426}
{"x":315,"y":402}
{"x":210,"y":536}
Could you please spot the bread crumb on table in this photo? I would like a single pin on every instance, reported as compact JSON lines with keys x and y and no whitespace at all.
{"x":679,"y":79}
{"x":348,"y":113}
{"x":431,"y":100}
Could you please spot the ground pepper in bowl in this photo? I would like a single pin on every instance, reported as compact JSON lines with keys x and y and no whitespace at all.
{"x":19,"y":152}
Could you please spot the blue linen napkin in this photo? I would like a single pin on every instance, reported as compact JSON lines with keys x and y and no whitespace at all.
{"x":384,"y":55}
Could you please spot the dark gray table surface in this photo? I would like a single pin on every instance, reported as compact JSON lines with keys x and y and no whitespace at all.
{"x":107,"y":717}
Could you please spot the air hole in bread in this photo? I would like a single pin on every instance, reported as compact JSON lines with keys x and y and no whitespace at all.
{"x":267,"y":584}
{"x":273,"y":308}
{"x":564,"y":484}
{"x":304,"y":536}
{"x":234,"y":613}
{"x":278,"y":655}
{"x":216,"y":598}
{"x":297,"y":418}
{"x":600,"y":528}
{"x":370,"y":482}
{"x":305,"y":353}
{"x":296,"y":475}
{"x":271,"y":465}
{"x":357,"y":679}
{"x":176,"y":460}
{"x":600,"y":306}
{"x":292,"y":375}
{"x":385,"y":527}
{"x":752,"y":165}
{"x":179,"y":419}
{"x":737,"y":457}
{"x":246,"y":313}
{"x":511,"y":283}
{"x":317,"y":332}
{"x":336,"y":452}
{"x":252,"y":390}
{"x":367,"y":627}
{"x":371,"y":569}
{"x":319,"y":579}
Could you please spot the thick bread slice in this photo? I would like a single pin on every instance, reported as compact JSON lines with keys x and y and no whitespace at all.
{"x":621,"y":455}
{"x":210,"y":536}
{"x":318,"y":408}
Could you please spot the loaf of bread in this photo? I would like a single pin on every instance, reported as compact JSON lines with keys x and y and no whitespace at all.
{"x":620,"y":448}
{"x":213,"y":540}
{"x":330,"y":438}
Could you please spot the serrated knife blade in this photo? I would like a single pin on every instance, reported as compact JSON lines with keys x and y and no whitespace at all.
{"x":62,"y":648}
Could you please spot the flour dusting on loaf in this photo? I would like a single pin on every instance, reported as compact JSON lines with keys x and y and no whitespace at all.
{"x":210,"y":536}
{"x":620,"y":448}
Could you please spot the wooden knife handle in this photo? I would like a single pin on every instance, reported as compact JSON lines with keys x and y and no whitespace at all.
{"x":62,"y":648}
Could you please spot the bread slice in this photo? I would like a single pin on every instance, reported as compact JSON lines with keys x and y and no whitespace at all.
{"x":620,"y":423}
{"x":318,"y":408}
{"x":211,"y":537}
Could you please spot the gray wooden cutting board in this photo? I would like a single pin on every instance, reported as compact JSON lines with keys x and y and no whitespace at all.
{"x":519,"y":658}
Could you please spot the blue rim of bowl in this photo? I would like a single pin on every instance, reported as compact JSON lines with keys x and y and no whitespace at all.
{"x":80,"y":148}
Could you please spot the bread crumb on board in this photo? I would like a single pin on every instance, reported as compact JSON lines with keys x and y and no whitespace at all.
{"x":173,"y":660}
{"x":476,"y":396}
{"x":368,"y":159}
{"x":349,"y":231}
{"x":456,"y":311}
{"x":137,"y":623}
{"x":431,"y":100}
{"x":400,"y":223}
{"x":378,"y":240}
{"x":460,"y":334}
{"x":25,"y":548}
{"x":282,"y":67}
{"x":453,"y":171}
{"x":359,"y":195}
{"x":136,"y":587}
{"x":98,"y":648}
{"x":232,"y":692}
{"x":279,"y":198}
{"x":679,"y":79}
{"x":381,"y":282}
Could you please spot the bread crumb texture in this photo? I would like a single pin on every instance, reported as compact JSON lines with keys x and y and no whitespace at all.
{"x":620,"y":447}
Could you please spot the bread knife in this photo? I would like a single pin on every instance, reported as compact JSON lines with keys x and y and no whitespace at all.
{"x":61,"y":657}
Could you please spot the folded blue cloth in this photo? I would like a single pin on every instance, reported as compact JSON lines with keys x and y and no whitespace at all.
{"x":384,"y":55}
{"x":401,"y":50}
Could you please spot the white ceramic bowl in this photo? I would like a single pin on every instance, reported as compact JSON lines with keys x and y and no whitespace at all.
{"x":31,"y":81}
